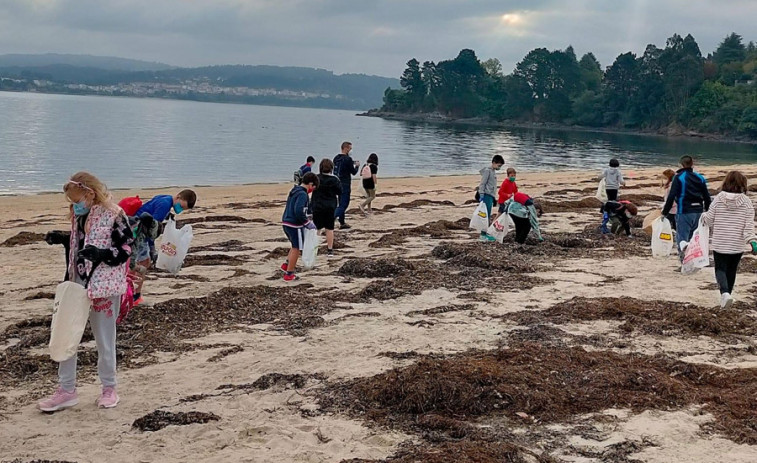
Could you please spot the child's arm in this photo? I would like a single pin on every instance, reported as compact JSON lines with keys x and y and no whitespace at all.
{"x":749,"y":235}
{"x":119,"y":251}
{"x":484,"y":181}
{"x":709,"y":217}
{"x":621,"y":180}
{"x":162,"y":210}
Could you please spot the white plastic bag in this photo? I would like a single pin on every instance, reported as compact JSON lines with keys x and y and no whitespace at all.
{"x":602,"y":191}
{"x":174,"y":246}
{"x":501,"y":227}
{"x":662,"y":238}
{"x":697,"y":254}
{"x":480,"y":218}
{"x":310,"y":245}
{"x":70,"y":315}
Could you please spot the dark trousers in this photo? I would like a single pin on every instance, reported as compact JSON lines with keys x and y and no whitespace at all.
{"x":344,"y":202}
{"x":672,"y":219}
{"x":726,"y":266}
{"x":522,"y":228}
{"x":612,"y":194}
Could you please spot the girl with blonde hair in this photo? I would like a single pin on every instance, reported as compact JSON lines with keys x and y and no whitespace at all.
{"x":98,"y":260}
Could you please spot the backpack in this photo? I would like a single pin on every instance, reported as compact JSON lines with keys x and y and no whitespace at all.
{"x":366,"y":173}
{"x":130,"y":205}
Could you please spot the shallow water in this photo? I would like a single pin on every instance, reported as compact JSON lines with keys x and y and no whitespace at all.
{"x":131,"y":142}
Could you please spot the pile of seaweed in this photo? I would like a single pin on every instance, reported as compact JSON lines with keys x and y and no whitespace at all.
{"x":440,"y":229}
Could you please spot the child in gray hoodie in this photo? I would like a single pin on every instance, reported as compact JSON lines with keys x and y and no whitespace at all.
{"x":487,"y":189}
{"x":613,"y":178}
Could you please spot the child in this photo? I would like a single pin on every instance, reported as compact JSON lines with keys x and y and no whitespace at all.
{"x":488,"y":187}
{"x":370,"y":169}
{"x":304,"y":169}
{"x":668,"y":176}
{"x":525,"y":215}
{"x":731,"y":221}
{"x":324,"y":202}
{"x":618,"y":214}
{"x":99,"y":250}
{"x":508,"y":189}
{"x":295,"y":218}
{"x":613,"y":179}
{"x":147,"y":228}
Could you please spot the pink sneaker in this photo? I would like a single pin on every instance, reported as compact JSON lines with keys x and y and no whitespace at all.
{"x":108,"y":398}
{"x":58,"y":401}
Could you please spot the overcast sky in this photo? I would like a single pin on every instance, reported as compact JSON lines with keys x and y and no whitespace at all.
{"x":365,"y":36}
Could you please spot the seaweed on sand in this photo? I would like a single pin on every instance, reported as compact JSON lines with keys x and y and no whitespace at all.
{"x":159,"y":419}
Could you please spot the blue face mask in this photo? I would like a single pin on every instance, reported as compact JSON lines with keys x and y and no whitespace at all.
{"x":177,"y":208}
{"x":81,"y":208}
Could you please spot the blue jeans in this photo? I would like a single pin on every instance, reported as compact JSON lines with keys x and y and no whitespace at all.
{"x":489,"y":201}
{"x":686,"y":224}
{"x":344,"y":202}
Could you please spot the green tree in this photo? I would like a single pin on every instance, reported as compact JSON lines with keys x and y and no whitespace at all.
{"x":730,"y":49}
{"x":621,"y":83}
{"x":412,"y":82}
{"x":493,"y":67}
{"x":591,"y":72}
{"x":748,"y":123}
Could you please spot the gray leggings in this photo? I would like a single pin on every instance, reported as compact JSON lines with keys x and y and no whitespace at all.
{"x":370,"y":195}
{"x":103,"y":324}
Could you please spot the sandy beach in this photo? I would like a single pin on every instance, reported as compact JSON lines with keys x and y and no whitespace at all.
{"x":415,"y":343}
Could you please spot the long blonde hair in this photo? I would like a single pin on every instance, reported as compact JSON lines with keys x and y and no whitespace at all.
{"x":90,"y":186}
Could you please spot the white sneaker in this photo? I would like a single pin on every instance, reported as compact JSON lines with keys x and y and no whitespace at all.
{"x":726,"y":301}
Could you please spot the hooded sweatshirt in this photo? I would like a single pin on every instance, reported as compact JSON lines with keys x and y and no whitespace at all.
{"x":488,"y":185}
{"x":296,"y":211}
{"x":613,"y":178}
{"x":731,"y":222}
{"x":326,"y":196}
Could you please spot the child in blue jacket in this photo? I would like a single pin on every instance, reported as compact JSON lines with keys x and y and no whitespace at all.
{"x":296,"y":217}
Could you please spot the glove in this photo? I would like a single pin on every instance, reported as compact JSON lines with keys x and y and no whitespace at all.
{"x":310,"y":226}
{"x":93,"y":254}
{"x":57,"y":237}
{"x":754,"y":247}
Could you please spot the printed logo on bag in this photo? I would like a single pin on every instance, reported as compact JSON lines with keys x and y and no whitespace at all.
{"x":482,"y":214}
{"x":498,"y":226}
{"x":168,"y":249}
{"x":666,"y":237}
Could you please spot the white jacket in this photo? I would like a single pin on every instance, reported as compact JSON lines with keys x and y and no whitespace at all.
{"x":731,"y":222}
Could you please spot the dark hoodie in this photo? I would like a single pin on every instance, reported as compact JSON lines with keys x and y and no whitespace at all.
{"x":326,"y":196}
{"x":344,"y":168}
{"x":689,"y":191}
{"x":296,"y":211}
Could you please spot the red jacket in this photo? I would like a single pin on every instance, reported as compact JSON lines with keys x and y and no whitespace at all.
{"x":507,"y":189}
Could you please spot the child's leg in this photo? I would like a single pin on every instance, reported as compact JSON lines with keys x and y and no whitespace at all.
{"x":330,"y":239}
{"x":294,"y":254}
{"x":371,"y":196}
{"x":732,"y":269}
{"x":612,"y":194}
{"x":605,"y":219}
{"x":489,"y":202}
{"x":102,"y":319}
{"x":67,"y":374}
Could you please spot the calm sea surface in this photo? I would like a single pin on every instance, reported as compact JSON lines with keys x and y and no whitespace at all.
{"x":131,"y":142}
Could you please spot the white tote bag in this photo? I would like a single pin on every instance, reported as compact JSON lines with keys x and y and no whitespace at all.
{"x":662,"y":238}
{"x":70,"y":315}
{"x":602,"y":191}
{"x":697,"y":254}
{"x":310,"y":245}
{"x":174,"y":246}
{"x":480,"y":218}
{"x":501,"y":227}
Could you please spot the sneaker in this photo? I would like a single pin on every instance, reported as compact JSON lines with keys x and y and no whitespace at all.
{"x":487,"y":238}
{"x":344,"y":226}
{"x":138,"y":301}
{"x":329,"y":253}
{"x":108,"y":398}
{"x":290,"y":277}
{"x":726,"y":301}
{"x":58,"y":401}
{"x":284,"y":266}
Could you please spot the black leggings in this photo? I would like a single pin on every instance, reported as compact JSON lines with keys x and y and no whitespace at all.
{"x":726,"y":266}
{"x":612,"y":194}
{"x":522,"y":228}
{"x":672,"y":219}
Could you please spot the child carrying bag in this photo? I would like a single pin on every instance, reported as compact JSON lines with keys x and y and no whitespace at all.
{"x":480,"y":218}
{"x":602,"y":191}
{"x":70,"y":315}
{"x":174,"y":247}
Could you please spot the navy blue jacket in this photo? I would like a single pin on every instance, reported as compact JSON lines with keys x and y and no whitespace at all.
{"x":344,"y":168}
{"x":689,"y":191}
{"x":296,"y":211}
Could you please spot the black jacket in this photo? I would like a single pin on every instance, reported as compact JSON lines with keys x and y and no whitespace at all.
{"x":689,"y":191}
{"x":326,"y":196}
{"x":617,"y":209}
{"x":344,"y":168}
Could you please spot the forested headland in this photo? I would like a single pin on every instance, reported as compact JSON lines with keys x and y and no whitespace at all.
{"x":672,"y":90}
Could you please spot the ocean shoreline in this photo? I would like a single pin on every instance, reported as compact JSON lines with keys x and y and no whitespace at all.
{"x":436,"y":118}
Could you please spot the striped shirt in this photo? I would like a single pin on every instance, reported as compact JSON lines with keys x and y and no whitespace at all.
{"x":731,"y":222}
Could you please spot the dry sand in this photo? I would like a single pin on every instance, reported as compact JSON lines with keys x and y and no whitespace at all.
{"x":361,"y":318}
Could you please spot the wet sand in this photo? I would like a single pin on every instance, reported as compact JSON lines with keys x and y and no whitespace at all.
{"x":416,"y":343}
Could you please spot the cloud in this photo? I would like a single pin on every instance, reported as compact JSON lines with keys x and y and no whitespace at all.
{"x":376,"y":36}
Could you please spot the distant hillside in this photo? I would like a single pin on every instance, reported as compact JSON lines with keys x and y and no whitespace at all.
{"x":290,"y":86}
{"x":109,"y":63}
